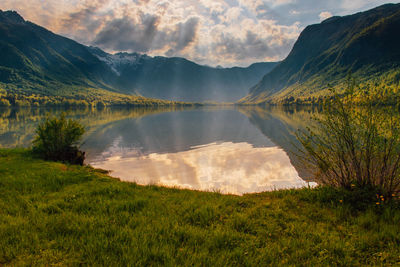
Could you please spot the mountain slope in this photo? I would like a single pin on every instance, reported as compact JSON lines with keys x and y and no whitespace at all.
{"x":35,"y":60}
{"x":181,"y":79}
{"x":365,"y":44}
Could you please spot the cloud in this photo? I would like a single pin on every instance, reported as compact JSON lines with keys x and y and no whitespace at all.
{"x":352,"y":5}
{"x":275,"y":3}
{"x":213,"y":32}
{"x":84,"y":22}
{"x":325,"y":15}
{"x":233,"y":13}
{"x":145,"y":35}
{"x":205,"y":168}
{"x":251,"y":48}
{"x":125,"y":34}
{"x":183,"y":36}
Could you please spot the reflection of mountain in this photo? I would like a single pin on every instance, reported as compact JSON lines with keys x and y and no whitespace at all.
{"x":145,"y":131}
{"x":17,"y":126}
{"x":179,"y":131}
{"x":175,"y":132}
{"x":280,"y":127}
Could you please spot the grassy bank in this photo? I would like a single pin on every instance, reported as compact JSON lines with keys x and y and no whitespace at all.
{"x":51,"y":213}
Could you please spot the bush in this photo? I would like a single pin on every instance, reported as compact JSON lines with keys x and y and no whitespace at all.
{"x":354,"y":148}
{"x":57,"y":138}
{"x":4,"y":103}
{"x":22,"y":103}
{"x":359,"y":199}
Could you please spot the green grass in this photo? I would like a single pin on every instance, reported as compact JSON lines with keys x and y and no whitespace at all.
{"x":56,"y":214}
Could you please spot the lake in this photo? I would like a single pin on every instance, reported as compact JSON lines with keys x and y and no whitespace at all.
{"x":226,"y":149}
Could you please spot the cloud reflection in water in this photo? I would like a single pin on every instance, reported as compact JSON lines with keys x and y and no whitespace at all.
{"x":227,"y":167}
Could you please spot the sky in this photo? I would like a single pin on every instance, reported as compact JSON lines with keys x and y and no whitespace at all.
{"x":210,"y":32}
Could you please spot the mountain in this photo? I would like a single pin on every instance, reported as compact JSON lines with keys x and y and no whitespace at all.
{"x":36,"y":61}
{"x":180,"y":79}
{"x":365,"y":44}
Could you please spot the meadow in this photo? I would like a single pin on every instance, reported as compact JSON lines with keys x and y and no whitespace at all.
{"x":57,"y":214}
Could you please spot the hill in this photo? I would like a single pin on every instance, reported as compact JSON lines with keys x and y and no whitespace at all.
{"x":364,"y":44}
{"x":36,"y":61}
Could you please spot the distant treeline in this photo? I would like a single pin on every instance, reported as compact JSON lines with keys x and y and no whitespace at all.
{"x":8,"y":99}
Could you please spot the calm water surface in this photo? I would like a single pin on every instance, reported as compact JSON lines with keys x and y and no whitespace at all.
{"x":230,"y":150}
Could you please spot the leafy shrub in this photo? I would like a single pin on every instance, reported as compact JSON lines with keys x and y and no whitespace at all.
{"x":4,"y":103}
{"x":354,"y":147}
{"x":57,"y":138}
{"x":22,"y":103}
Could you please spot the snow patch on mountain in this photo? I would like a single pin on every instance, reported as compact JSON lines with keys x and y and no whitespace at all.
{"x":119,"y":60}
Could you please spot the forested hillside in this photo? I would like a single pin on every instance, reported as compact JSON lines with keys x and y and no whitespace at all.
{"x":364,"y":45}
